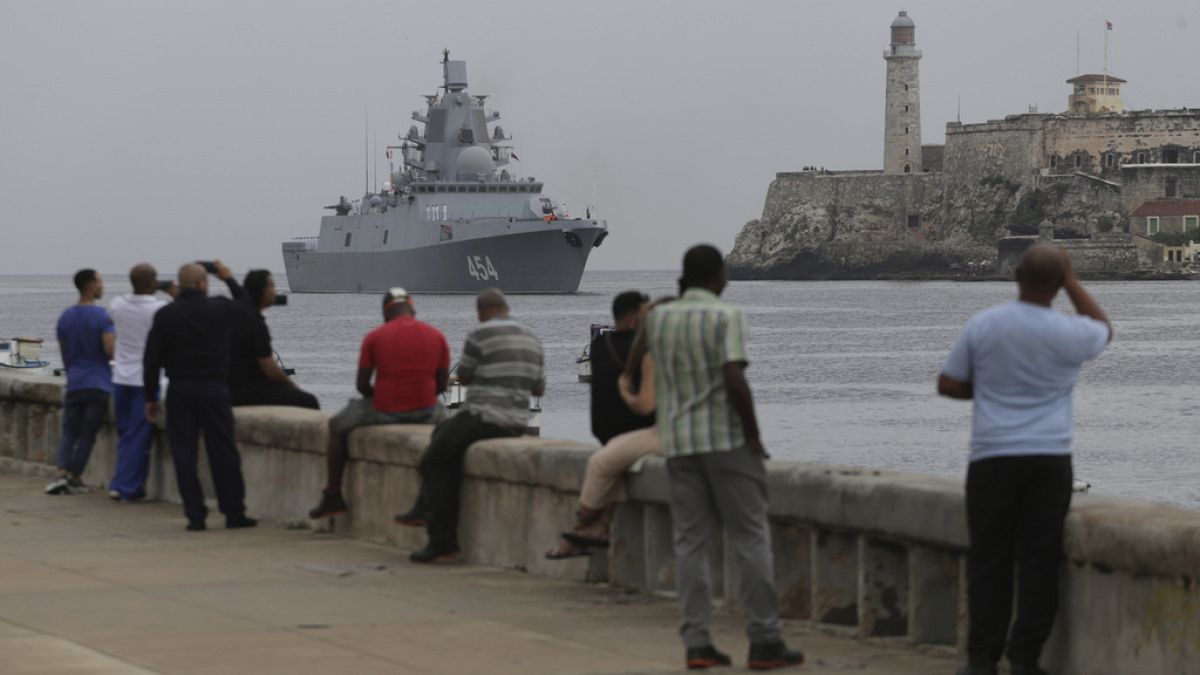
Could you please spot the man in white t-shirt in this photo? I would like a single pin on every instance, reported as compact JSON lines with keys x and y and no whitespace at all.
{"x":1019,"y":362}
{"x":132,"y":314}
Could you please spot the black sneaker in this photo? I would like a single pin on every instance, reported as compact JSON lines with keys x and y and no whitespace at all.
{"x":415,"y":517}
{"x":699,"y":658}
{"x":240,"y":522}
{"x":772,"y":655}
{"x":331,"y":505}
{"x":979,"y":669}
{"x":76,"y":484}
{"x":196,"y":526}
{"x":429,"y":555}
{"x":58,"y":486}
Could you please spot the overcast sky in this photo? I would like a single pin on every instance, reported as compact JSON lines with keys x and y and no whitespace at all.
{"x":170,"y":131}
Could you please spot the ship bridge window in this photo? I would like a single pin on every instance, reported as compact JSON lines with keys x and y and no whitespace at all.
{"x":452,"y":188}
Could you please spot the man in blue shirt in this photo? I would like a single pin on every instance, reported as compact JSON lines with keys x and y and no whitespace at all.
{"x":1019,"y":362}
{"x":85,"y":337}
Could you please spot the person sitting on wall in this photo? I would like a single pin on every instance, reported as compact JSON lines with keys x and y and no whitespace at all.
{"x":410,"y":360}
{"x":255,"y":377}
{"x":502,"y":365}
{"x":623,"y":424}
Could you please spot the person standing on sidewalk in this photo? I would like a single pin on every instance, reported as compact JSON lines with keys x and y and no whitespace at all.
{"x":132,"y":315}
{"x":1019,"y":362}
{"x":85,"y":337}
{"x":501,"y":365}
{"x":715,"y":460}
{"x":190,"y":339}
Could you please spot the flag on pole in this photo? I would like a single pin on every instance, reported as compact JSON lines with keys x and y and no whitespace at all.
{"x":1108,"y":24}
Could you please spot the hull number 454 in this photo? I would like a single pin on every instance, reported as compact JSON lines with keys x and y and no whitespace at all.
{"x":481,"y":269}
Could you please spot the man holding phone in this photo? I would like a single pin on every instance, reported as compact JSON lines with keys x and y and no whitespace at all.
{"x":191,"y":338}
{"x":132,"y":315}
{"x":255,"y":377}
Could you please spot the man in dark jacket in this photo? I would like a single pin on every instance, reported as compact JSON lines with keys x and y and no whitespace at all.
{"x":610,"y":416}
{"x":190,"y":338}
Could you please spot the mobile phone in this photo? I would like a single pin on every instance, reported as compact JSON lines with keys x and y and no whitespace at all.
{"x":208,"y":265}
{"x":280,"y":299}
{"x":164,"y":286}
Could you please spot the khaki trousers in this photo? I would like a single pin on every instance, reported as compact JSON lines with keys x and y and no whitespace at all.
{"x":606,"y":466}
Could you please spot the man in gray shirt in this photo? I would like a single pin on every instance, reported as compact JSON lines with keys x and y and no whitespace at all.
{"x":502,"y":364}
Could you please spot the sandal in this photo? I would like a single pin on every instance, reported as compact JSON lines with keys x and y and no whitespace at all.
{"x":586,"y":542}
{"x":572,"y":551}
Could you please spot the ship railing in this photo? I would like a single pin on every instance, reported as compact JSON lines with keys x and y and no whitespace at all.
{"x":301,"y":244}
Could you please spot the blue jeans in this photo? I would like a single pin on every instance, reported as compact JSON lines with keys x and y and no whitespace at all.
{"x":134,"y":435}
{"x":83,"y":413}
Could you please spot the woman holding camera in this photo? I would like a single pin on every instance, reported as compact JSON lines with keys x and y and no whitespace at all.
{"x":255,"y":377}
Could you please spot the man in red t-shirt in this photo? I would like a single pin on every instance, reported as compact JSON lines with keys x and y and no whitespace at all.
{"x":411,"y":363}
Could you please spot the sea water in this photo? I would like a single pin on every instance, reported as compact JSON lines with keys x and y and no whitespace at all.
{"x":842,"y":372}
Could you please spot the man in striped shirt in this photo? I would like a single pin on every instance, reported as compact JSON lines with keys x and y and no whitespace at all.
{"x":502,"y":365}
{"x":714,"y":460}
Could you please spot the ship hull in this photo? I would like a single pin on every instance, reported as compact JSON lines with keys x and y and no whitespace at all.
{"x":543,"y":261}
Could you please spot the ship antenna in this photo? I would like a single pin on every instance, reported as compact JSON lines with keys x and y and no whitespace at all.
{"x":375,"y":142}
{"x":366,"y":153}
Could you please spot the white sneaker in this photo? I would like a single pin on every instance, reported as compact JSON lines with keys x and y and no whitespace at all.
{"x":58,"y":486}
{"x":114,"y":495}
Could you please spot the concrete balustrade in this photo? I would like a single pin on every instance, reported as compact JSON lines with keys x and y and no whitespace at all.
{"x":872,"y":553}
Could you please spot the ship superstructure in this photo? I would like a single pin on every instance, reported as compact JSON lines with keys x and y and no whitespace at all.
{"x":451,"y":218}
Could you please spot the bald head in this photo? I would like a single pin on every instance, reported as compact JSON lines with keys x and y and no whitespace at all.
{"x":1041,"y":271}
{"x":144,"y":279}
{"x":192,"y":275}
{"x":491,"y":304}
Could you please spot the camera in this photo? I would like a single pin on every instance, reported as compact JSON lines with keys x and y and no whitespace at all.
{"x":280,"y":299}
{"x":164,"y":286}
{"x":208,"y":265}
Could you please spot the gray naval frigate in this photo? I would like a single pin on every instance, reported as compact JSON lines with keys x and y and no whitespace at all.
{"x":449,"y":218}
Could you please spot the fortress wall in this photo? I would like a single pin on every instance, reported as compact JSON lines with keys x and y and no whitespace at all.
{"x":1091,"y":135}
{"x":1010,"y":149}
{"x":1142,"y":182}
{"x":879,"y":553}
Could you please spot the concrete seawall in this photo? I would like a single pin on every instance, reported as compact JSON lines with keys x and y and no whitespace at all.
{"x":873,"y":553}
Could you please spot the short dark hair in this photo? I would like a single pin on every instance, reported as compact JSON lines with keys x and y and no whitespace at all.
{"x":628,"y":302}
{"x":702,"y":264}
{"x":84,"y":277}
{"x":255,"y":285}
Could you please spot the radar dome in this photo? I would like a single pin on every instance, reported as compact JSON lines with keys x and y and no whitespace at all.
{"x":474,"y":162}
{"x":375,"y":201}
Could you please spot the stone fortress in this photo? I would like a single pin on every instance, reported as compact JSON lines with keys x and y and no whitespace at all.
{"x":1120,"y":189}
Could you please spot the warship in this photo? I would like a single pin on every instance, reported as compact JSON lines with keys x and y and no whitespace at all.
{"x":449,"y":218}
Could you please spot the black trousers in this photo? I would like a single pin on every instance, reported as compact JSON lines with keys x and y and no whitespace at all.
{"x":441,"y":472}
{"x":273,"y":393}
{"x":1015,"y":512}
{"x":204,"y":406}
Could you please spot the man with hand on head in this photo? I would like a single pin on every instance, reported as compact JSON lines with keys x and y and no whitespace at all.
{"x":132,"y":314}
{"x":85,"y":337}
{"x":1019,"y":362}
{"x":410,"y":361}
{"x":190,"y":338}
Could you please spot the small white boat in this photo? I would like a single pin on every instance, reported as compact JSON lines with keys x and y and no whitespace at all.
{"x":456,"y":393}
{"x":22,"y":355}
{"x":584,"y":362}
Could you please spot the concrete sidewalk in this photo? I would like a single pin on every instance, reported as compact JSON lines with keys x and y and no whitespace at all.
{"x":88,"y":585}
